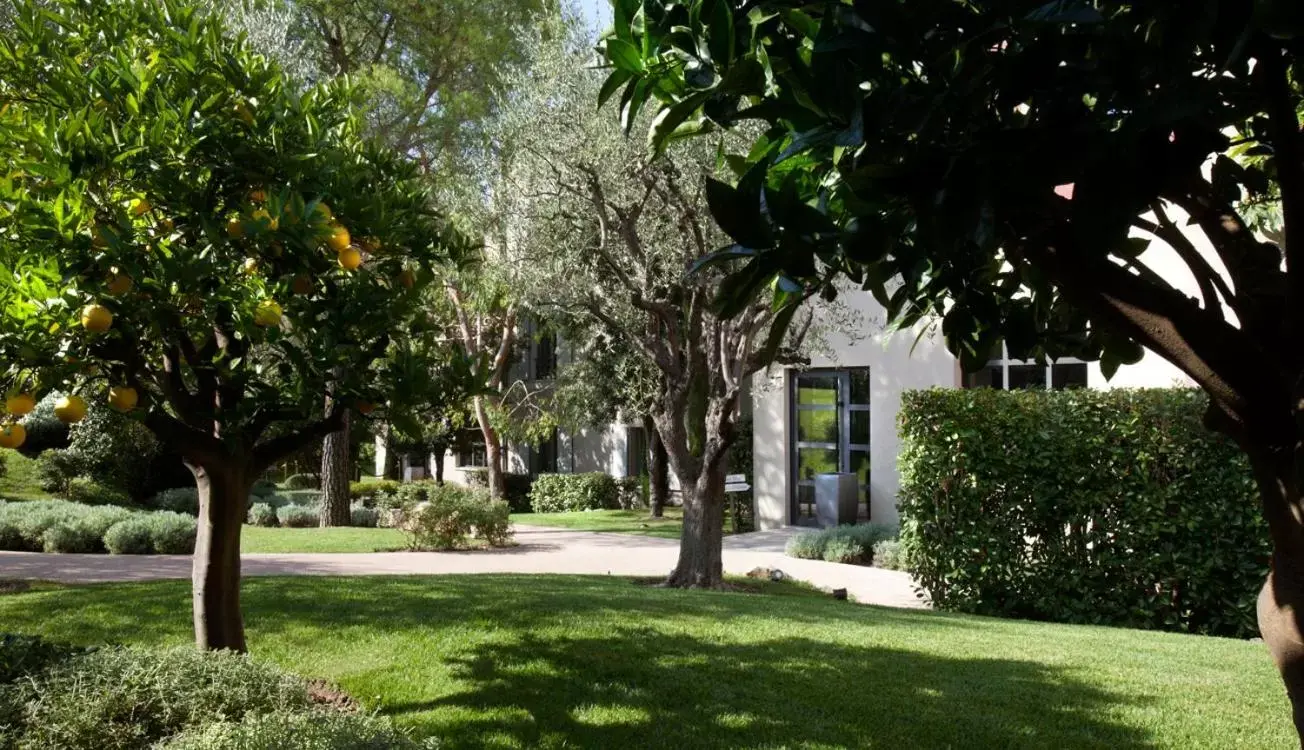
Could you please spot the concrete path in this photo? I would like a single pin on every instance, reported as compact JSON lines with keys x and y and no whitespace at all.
{"x":538,"y":550}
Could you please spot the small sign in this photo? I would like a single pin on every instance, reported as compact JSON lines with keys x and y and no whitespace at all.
{"x":736,"y":483}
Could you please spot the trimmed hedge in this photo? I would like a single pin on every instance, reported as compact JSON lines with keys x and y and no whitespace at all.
{"x":560,"y":493}
{"x":1107,"y":507}
{"x":62,"y":526}
{"x":853,"y":545}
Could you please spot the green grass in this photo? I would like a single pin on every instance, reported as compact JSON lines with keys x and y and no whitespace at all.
{"x":20,"y":481}
{"x":597,"y":662}
{"x":261,"y":539}
{"x":617,"y":521}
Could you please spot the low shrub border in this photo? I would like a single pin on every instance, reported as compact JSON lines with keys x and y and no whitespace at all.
{"x":562,"y":493}
{"x":67,"y":527}
{"x":1108,"y":507}
{"x":855,"y":545}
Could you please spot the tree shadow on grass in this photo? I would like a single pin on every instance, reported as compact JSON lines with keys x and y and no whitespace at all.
{"x":630,"y":690}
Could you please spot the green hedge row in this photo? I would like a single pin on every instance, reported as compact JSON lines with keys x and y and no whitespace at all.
{"x":558,"y":493}
{"x":1111,"y":507}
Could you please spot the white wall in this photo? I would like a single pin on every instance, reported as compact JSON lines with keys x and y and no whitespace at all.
{"x":893,"y":368}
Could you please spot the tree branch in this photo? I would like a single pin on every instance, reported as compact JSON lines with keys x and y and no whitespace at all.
{"x":277,"y":448}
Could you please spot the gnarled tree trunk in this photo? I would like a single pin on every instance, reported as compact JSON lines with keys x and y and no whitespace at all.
{"x":658,"y":469}
{"x":335,"y":477}
{"x":1281,"y":601}
{"x":701,"y":550}
{"x":223,"y":496}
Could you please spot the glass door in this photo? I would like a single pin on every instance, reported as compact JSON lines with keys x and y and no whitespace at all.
{"x":830,"y":413}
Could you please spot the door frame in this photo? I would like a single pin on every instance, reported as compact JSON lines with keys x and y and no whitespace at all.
{"x":846,"y":443}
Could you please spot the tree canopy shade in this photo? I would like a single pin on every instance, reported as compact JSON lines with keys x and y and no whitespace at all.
{"x":992,"y":163}
{"x":176,"y":229}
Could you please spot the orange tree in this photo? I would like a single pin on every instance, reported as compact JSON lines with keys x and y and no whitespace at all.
{"x":189,"y":236}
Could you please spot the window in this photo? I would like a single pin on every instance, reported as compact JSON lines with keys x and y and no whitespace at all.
{"x":545,"y":456}
{"x":470,"y":450}
{"x":1008,"y":374}
{"x":831,"y":419}
{"x":635,"y":451}
{"x":545,"y":356}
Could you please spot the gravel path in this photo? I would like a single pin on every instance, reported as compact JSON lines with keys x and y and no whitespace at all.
{"x":538,"y":550}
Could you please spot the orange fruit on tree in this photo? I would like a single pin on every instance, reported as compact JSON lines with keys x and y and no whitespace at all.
{"x":321,"y":212}
{"x":12,"y":435}
{"x":100,"y":237}
{"x":166,"y":226}
{"x":339,"y":238}
{"x":140,"y":207}
{"x":267,"y":314}
{"x":96,"y":318}
{"x":262,"y":215}
{"x":70,"y":409}
{"x":249,"y":267}
{"x":235,"y":229}
{"x":119,"y":283}
{"x":301,"y":285}
{"x":366,"y":407}
{"x":20,"y":404}
{"x":350,"y":258}
{"x":123,"y":398}
{"x":406,"y":279}
{"x":242,"y":111}
{"x":257,"y":195}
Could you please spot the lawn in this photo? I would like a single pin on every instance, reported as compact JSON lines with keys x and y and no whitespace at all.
{"x":598,"y":662}
{"x":348,"y":539}
{"x":616,"y":521}
{"x":20,"y":480}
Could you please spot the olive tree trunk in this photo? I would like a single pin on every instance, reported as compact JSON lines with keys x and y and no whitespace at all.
{"x":658,"y":469}
{"x":701,"y":546}
{"x":223,"y":497}
{"x":335,"y":477}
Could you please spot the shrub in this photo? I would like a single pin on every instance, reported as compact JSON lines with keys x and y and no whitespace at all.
{"x":298,"y":516}
{"x":844,"y":549}
{"x":296,"y":731}
{"x":362,"y":516}
{"x":367,"y":492}
{"x":302,"y":482}
{"x":841,"y":544}
{"x":1113,"y":507}
{"x":24,"y":655}
{"x":115,"y":699}
{"x":452,"y":516}
{"x":556,"y":493}
{"x":172,"y":533}
{"x":177,"y":500}
{"x":55,"y":469}
{"x":70,"y":538}
{"x":87,"y":491}
{"x":263,"y":488}
{"x":262,"y":514}
{"x":517,"y":486}
{"x":890,"y":555}
{"x":295,"y":497}
{"x":808,"y":545}
{"x":133,"y":536}
{"x":44,"y":430}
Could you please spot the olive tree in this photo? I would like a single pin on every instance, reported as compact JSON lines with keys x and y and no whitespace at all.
{"x":1003,"y":164}
{"x":199,"y":243}
{"x":609,"y":235}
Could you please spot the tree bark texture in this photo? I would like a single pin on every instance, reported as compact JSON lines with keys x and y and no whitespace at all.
{"x":335,"y":477}
{"x":215,"y":572}
{"x":658,"y":469}
{"x":493,"y":451}
{"x":439,"y":451}
{"x":701,"y":550}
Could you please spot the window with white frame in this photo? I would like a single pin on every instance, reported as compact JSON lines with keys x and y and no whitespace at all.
{"x":1007,"y":374}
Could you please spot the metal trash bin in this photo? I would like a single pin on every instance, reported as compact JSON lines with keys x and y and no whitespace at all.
{"x":836,"y":499}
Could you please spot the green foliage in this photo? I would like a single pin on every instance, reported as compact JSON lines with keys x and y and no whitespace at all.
{"x":363,"y":517}
{"x":55,"y":469}
{"x":518,"y":487}
{"x":302,"y":482}
{"x":891,"y":555}
{"x":910,"y":148}
{"x":23,"y":655}
{"x":263,"y":488}
{"x":132,"y":536}
{"x":172,"y":533}
{"x":87,"y":491}
{"x":841,"y":544}
{"x":146,"y":143}
{"x":129,"y":698}
{"x":1111,"y":507}
{"x":559,"y":493}
{"x":451,"y":517}
{"x":262,"y":514}
{"x":177,"y":500}
{"x":367,"y":492}
{"x":298,"y":516}
{"x":323,"y":730}
{"x":44,"y":430}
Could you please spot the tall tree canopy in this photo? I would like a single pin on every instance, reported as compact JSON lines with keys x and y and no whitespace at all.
{"x":176,"y":227}
{"x":992,"y":163}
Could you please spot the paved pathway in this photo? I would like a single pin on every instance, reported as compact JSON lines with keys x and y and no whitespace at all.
{"x":538,"y":550}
